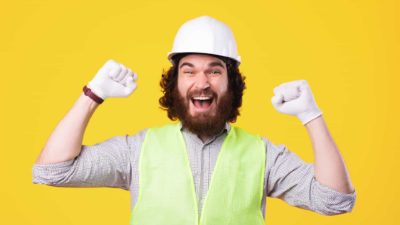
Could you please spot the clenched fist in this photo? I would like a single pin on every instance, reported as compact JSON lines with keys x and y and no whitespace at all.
{"x":295,"y":98}
{"x":113,"y":80}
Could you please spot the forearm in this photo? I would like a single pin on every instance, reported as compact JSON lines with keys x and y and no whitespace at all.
{"x":330,"y":169}
{"x":66,"y":140}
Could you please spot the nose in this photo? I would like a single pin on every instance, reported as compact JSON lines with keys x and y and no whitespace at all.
{"x":202,"y":81}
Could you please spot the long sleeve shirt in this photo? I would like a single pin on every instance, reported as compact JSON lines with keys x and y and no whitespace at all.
{"x":114,"y":163}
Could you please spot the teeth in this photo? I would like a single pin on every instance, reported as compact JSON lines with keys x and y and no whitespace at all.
{"x":202,"y":98}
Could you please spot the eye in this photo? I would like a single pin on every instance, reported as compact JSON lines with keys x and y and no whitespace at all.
{"x":188,"y":72}
{"x":215,"y":72}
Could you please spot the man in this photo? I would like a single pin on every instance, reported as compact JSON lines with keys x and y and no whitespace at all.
{"x":201,"y":170}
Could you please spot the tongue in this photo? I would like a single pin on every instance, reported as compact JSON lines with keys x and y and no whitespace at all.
{"x":201,"y":104}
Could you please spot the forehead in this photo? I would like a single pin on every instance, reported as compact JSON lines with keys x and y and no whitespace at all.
{"x":201,"y":60}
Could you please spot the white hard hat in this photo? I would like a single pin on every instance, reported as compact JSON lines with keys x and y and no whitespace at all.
{"x":205,"y":35}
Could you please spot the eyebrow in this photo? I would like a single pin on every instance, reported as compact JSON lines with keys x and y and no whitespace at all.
{"x":186,"y":64}
{"x":209,"y":65}
{"x":216,"y":64}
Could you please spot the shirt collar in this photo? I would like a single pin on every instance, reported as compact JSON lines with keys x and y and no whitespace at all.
{"x":226,"y":129}
{"x":227,"y":126}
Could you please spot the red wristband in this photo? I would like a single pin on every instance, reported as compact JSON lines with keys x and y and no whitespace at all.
{"x":88,"y":92}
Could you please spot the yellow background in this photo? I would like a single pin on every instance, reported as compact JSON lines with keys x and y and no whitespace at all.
{"x":348,"y":51}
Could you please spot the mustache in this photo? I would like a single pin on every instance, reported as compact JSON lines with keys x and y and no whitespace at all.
{"x":204,"y":92}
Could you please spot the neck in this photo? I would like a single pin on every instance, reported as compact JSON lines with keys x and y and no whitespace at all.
{"x":204,"y":138}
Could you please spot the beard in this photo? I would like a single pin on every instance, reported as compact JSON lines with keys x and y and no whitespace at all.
{"x":209,"y":123}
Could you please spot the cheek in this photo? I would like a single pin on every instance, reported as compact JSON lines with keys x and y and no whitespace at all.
{"x":183,"y":87}
{"x":221,"y":86}
{"x":225,"y":88}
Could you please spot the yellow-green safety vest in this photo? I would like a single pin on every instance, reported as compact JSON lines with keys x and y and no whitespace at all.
{"x":166,"y":188}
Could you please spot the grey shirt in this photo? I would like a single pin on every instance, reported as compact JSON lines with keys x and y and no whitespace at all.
{"x":114,"y":163}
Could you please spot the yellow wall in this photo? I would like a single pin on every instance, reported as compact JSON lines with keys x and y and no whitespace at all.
{"x":348,"y":51}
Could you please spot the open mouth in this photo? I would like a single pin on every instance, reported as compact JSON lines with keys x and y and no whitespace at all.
{"x":202,"y":102}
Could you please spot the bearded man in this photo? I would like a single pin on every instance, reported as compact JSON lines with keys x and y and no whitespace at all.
{"x":201,"y":170}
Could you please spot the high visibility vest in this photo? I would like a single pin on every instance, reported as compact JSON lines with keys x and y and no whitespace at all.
{"x":166,"y":188}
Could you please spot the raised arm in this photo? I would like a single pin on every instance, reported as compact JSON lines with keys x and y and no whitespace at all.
{"x":329,"y":169}
{"x":65,"y":143}
{"x":66,"y":140}
{"x":296,"y":98}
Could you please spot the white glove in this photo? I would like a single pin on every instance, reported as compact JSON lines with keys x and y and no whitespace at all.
{"x":113,"y":80}
{"x":295,"y":98}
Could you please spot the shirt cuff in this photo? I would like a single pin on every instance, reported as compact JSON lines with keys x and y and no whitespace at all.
{"x":328,"y":201}
{"x":51,"y":173}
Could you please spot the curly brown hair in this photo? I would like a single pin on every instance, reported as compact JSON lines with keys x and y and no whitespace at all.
{"x":168,"y":83}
